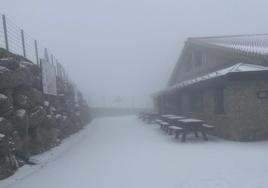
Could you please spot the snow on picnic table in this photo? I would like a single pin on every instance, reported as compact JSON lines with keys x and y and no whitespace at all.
{"x":122,"y":152}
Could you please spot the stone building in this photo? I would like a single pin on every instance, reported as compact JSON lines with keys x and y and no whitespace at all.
{"x":223,"y":81}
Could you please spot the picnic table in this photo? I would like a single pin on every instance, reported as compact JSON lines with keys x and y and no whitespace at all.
{"x":174,"y":124}
{"x":192,"y":126}
{"x":171,"y":120}
{"x":148,"y":116}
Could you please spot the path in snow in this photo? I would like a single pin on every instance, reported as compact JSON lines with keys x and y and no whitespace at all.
{"x":122,"y":152}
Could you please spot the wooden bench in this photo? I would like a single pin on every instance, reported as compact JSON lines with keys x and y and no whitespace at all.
{"x":208,"y":127}
{"x":164,"y":125}
{"x":174,"y":129}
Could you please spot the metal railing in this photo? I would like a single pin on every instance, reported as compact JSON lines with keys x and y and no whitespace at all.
{"x":17,"y":41}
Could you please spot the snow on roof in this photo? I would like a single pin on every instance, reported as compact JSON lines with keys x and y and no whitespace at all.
{"x":257,"y":44}
{"x":239,"y":67}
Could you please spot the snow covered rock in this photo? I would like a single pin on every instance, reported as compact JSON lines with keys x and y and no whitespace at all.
{"x":10,"y":79}
{"x":20,"y":121}
{"x":37,"y":116}
{"x":46,"y":103}
{"x":22,"y":101}
{"x":49,"y":122}
{"x":6,"y":127}
{"x":4,"y":150}
{"x":10,"y":63}
{"x":5,"y":104}
{"x":28,"y":98}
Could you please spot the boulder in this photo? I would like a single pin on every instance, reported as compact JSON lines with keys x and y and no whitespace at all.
{"x":4,"y":145}
{"x":10,"y":63}
{"x":37,"y":116}
{"x":22,"y":100}
{"x":10,"y":79}
{"x":28,"y":98}
{"x":50,"y":122}
{"x":5,"y":104}
{"x":37,"y":84}
{"x":27,"y":76}
{"x":6,"y":127}
{"x":20,"y":120}
{"x":36,"y":96}
{"x":9,"y":94}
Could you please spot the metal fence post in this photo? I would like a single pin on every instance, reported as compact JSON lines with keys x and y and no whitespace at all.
{"x":5,"y":31}
{"x":52,"y":62}
{"x":36,"y":51}
{"x":23,"y":43}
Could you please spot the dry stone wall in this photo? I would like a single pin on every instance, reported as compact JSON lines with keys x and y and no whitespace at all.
{"x":31,"y":122}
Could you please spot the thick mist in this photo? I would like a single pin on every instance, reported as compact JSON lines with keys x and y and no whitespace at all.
{"x":118,"y":49}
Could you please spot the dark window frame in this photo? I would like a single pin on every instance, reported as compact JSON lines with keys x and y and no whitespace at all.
{"x":197,"y":101}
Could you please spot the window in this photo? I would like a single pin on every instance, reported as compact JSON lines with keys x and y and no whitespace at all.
{"x":196,"y":101}
{"x":219,"y":101}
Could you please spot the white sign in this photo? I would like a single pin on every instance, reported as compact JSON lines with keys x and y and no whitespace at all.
{"x":48,"y":78}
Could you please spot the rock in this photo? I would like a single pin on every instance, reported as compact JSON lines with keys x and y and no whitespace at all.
{"x":46,"y":103}
{"x":9,"y":94}
{"x":36,"y":96}
{"x":10,"y":63}
{"x":34,"y":68}
{"x":6,"y":127}
{"x":4,"y":145}
{"x":8,"y":114}
{"x":22,"y":100}
{"x":37,"y":84}
{"x":8,"y":167}
{"x":10,"y":79}
{"x":28,"y":98}
{"x":27,"y":76}
{"x":50,"y":122}
{"x":20,"y":121}
{"x":5,"y":104}
{"x":37,"y":116}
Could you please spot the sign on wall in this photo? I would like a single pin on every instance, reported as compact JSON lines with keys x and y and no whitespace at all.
{"x":48,"y":78}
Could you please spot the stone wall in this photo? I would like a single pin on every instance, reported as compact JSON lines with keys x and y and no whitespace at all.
{"x":31,"y":122}
{"x":245,"y":117}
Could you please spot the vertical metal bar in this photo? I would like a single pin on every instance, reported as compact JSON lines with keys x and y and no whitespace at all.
{"x":36,"y":51}
{"x":52,"y":62}
{"x":23,"y":43}
{"x":5,"y":31}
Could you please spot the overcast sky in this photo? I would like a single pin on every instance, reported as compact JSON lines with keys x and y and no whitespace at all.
{"x":128,"y":48}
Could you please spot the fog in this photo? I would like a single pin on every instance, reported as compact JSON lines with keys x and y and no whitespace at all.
{"x":127,"y":49}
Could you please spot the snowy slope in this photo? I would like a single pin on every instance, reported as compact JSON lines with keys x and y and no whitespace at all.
{"x":122,"y":152}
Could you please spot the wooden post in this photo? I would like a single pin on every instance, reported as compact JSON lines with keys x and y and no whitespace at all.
{"x":23,"y":43}
{"x":36,"y":51}
{"x":5,"y":31}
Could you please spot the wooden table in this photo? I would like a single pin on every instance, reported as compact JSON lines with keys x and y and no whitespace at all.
{"x":173,"y":121}
{"x":192,"y":126}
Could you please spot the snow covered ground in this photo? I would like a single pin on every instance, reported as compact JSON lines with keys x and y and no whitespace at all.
{"x":122,"y":152}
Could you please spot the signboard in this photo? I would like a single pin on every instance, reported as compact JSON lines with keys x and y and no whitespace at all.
{"x":48,"y":78}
